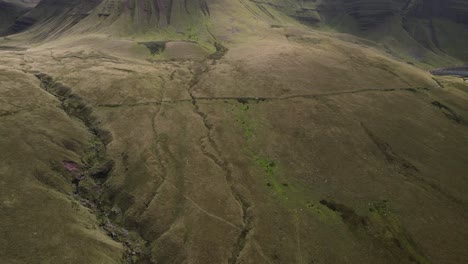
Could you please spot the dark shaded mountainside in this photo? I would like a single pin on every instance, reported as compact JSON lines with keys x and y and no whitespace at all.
{"x":61,"y":15}
{"x":416,"y":29}
{"x":233,"y":131}
{"x":435,"y":25}
{"x":10,"y":11}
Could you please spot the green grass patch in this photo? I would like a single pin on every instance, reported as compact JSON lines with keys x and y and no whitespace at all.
{"x":241,"y":116}
{"x":269,"y":168}
{"x":293,"y":196}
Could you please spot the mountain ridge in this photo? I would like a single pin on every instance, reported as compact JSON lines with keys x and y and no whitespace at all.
{"x":431,"y":41}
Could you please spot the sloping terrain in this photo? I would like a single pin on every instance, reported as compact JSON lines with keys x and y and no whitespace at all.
{"x":232,"y":132}
{"x":416,"y":30}
{"x":52,"y":17}
{"x":11,"y":10}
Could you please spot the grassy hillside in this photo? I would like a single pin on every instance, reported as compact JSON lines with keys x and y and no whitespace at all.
{"x":232,"y":132}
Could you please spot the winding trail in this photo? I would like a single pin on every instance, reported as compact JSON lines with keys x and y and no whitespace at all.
{"x":266,"y":99}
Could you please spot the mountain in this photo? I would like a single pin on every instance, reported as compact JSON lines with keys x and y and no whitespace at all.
{"x":11,"y":10}
{"x":233,"y":131}
{"x":52,"y":17}
{"x":424,"y":31}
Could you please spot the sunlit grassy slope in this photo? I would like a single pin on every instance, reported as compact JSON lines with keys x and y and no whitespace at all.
{"x":231,"y":132}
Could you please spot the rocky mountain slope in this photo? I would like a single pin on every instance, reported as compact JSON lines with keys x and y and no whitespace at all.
{"x":222,"y":131}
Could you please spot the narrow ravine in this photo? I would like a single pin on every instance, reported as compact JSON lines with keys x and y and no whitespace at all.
{"x":89,"y":179}
{"x":212,"y":151}
{"x":220,"y":161}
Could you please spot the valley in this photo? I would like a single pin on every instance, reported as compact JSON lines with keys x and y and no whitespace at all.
{"x":216,"y":131}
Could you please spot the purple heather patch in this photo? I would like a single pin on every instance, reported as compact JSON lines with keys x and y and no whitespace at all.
{"x":71,"y":166}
